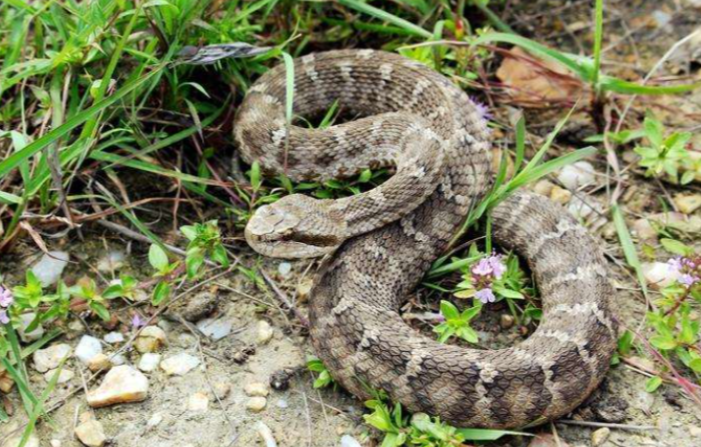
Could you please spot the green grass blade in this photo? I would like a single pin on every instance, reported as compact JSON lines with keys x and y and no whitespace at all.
{"x":628,"y":246}
{"x":17,"y":158}
{"x":387,"y":17}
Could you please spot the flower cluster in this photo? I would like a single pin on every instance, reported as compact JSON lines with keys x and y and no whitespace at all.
{"x":6,"y":300}
{"x":484,"y":273}
{"x":688,"y":269}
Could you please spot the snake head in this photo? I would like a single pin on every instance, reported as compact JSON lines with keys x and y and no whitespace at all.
{"x":295,"y":227}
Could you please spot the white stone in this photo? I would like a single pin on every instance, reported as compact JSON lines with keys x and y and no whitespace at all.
{"x":111,"y":262}
{"x":50,"y":267}
{"x":198,"y":402}
{"x":215,"y":329}
{"x":122,"y":384}
{"x":256,"y":404}
{"x":600,"y":436}
{"x":266,"y":433}
{"x":118,"y":360}
{"x":88,"y":348}
{"x":114,"y":337}
{"x":180,"y":364}
{"x":256,"y":389}
{"x":264,"y":332}
{"x":65,"y":376}
{"x":91,"y":433}
{"x":349,"y":441}
{"x":55,"y":443}
{"x":149,"y":362}
{"x":51,"y":357}
{"x":150,"y":339}
{"x":25,"y":321}
{"x":579,"y":209}
{"x":576,"y":175}
{"x":659,"y":274}
{"x":284,"y":269}
{"x":282,"y":403}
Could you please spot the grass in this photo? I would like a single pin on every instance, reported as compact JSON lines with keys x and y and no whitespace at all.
{"x":93,"y":93}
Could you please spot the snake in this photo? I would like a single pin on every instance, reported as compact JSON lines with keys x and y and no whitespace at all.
{"x":378,"y":245}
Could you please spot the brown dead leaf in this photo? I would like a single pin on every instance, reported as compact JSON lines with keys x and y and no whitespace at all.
{"x":537,"y":83}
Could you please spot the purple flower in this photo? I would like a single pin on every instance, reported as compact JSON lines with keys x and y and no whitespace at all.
{"x":675,"y":265}
{"x":498,"y":267}
{"x":688,"y":280}
{"x":482,"y":109}
{"x":482,"y":268}
{"x":485,"y":295}
{"x":137,"y":322}
{"x":4,"y":318}
{"x":6,"y":298}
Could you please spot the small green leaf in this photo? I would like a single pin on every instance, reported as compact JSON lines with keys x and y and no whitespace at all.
{"x":652,"y":384}
{"x":189,"y":231}
{"x":676,"y":247}
{"x":449,"y":310}
{"x":160,"y":293}
{"x":193,"y":261}
{"x":157,"y":257}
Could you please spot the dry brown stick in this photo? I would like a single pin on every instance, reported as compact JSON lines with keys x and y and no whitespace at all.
{"x":282,"y":297}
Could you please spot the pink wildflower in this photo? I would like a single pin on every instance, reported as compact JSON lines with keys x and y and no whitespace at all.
{"x":485,"y":295}
{"x":498,"y":267}
{"x":4,"y":318}
{"x":482,"y":268}
{"x":137,"y":322}
{"x":6,"y":298}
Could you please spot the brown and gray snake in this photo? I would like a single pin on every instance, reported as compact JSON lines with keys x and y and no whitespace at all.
{"x":380,"y":243}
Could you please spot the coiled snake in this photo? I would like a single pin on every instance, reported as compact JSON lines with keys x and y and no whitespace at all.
{"x":383,"y":241}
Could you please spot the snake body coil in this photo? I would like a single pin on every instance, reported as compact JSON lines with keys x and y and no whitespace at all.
{"x":382,"y":242}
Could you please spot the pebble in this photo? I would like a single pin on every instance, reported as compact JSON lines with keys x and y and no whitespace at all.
{"x":215,"y":329}
{"x":114,"y":337}
{"x":100,"y":362}
{"x":658,"y":274}
{"x":688,"y":203}
{"x":65,"y":376}
{"x":304,"y":288}
{"x":221,"y":390}
{"x":257,"y":389}
{"x":149,"y":362}
{"x":55,"y":443}
{"x":579,"y":209}
{"x":50,"y":267}
{"x":560,"y":195}
{"x":180,"y":364}
{"x":150,"y":339}
{"x":118,"y":360}
{"x":695,"y":431}
{"x":349,"y":441}
{"x":111,"y":262}
{"x":91,"y":433}
{"x":6,"y":382}
{"x":543,"y":187}
{"x":256,"y":404}
{"x":284,"y":269}
{"x":264,"y":332}
{"x":88,"y":348}
{"x":598,"y":437}
{"x":506,"y":321}
{"x":25,"y":321}
{"x":577,"y":175}
{"x":265,"y":433}
{"x":122,"y":384}
{"x":282,"y":403}
{"x":51,"y":357}
{"x":156,"y":419}
{"x":198,"y":402}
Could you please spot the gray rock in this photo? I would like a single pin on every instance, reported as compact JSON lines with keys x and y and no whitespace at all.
{"x":50,"y":267}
